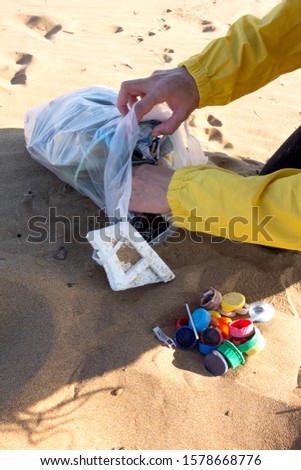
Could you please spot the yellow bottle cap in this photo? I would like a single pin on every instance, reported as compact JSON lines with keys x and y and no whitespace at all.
{"x":232,"y":301}
{"x":226,"y":320}
{"x":258,"y":347}
{"x":214,"y":313}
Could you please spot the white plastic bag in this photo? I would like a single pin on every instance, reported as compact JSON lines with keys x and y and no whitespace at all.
{"x":71,"y":137}
{"x":118,"y":169}
{"x":83,"y":139}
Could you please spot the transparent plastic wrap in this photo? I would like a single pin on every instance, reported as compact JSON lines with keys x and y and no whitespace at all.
{"x":73,"y":136}
{"x":83,"y":139}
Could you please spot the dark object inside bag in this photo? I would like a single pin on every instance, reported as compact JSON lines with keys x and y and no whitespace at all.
{"x":150,"y":226}
{"x":154,"y":228}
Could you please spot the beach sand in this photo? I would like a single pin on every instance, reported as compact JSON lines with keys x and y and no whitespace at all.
{"x":80,"y":367}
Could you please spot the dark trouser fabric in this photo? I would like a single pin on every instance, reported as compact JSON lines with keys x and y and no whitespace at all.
{"x":287,"y":156}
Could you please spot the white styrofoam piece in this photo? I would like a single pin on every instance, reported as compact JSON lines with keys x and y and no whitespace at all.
{"x":127,"y":258}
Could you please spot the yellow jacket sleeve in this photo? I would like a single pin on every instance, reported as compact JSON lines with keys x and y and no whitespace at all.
{"x":257,"y":209}
{"x":253,"y":53}
{"x":264,"y":210}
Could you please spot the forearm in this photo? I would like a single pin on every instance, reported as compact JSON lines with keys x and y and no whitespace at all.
{"x":264,"y":210}
{"x":253,"y":53}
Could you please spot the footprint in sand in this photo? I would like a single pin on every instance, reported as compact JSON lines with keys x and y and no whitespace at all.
{"x":42,"y":25}
{"x":214,"y":134}
{"x":19,"y":78}
{"x":117,"y":29}
{"x":53,"y":31}
{"x":121,"y":66}
{"x":228,"y":146}
{"x":167,"y":58}
{"x":166,"y":55}
{"x":24,"y":60}
{"x":136,"y":39}
{"x":164,"y":26}
{"x":213,"y":121}
{"x":207,"y":26}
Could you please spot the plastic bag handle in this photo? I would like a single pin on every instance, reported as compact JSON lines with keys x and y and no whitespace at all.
{"x":118,"y":169}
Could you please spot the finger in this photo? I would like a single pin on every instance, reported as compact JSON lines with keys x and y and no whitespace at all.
{"x":171,"y":124}
{"x":132,"y":100}
{"x":131,"y":88}
{"x":145,"y":105}
{"x":123,"y":109}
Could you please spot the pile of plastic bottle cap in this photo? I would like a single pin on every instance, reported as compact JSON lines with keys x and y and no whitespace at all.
{"x":224,"y":330}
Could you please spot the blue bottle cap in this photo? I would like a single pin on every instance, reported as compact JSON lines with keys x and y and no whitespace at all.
{"x":185,"y":337}
{"x":201,"y":318}
{"x":215,"y":363}
{"x":205,"y":348}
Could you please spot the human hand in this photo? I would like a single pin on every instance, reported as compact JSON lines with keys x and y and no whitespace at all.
{"x":176,"y":87}
{"x":149,"y":189}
